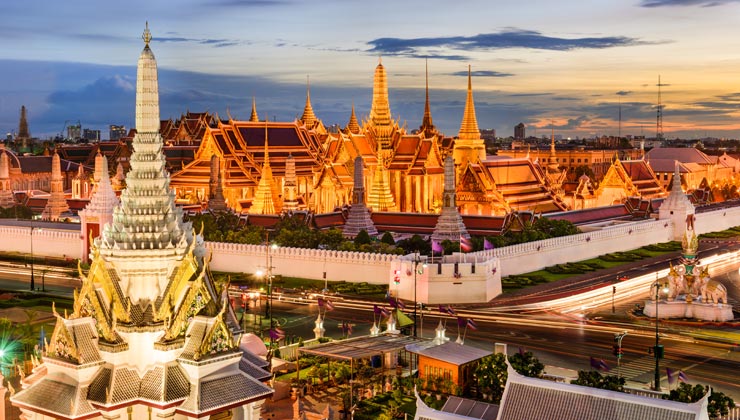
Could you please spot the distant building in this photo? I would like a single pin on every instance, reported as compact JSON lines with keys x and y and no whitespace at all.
{"x":74,"y":131}
{"x":488,"y":134}
{"x":116,"y":132}
{"x":91,"y":135}
{"x":520,"y":132}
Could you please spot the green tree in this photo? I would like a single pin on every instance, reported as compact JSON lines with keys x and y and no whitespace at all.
{"x":719,"y":403}
{"x":491,"y":373}
{"x":362,"y":238}
{"x":581,"y":170}
{"x":491,"y":376}
{"x":388,"y":239}
{"x":415,"y":244}
{"x":331,"y":239}
{"x":527,"y":364}
{"x":594,"y":379}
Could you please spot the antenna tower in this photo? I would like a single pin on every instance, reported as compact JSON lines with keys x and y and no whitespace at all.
{"x":659,"y":123}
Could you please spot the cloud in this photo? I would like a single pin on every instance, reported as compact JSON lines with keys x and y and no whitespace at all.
{"x":531,"y":94}
{"x":702,"y":3}
{"x":482,"y":73}
{"x":215,"y":42}
{"x":249,"y":3}
{"x":624,"y":92}
{"x":509,"y":38}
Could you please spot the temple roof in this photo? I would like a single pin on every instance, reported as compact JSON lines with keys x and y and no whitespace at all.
{"x":575,"y":402}
{"x":450,"y":352}
{"x":681,"y":154}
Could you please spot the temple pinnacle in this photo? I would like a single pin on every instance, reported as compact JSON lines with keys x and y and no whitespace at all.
{"x":146,"y":36}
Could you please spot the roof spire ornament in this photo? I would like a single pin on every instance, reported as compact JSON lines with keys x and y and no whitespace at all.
{"x":146,"y":36}
{"x":426,"y":123}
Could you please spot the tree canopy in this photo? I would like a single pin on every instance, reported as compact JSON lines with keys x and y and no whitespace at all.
{"x":719,"y":403}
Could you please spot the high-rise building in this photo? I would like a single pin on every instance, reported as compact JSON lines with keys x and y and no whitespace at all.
{"x":115,"y":132}
{"x":520,"y":132}
{"x":91,"y":135}
{"x":74,"y":132}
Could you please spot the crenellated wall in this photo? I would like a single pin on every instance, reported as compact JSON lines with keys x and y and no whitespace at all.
{"x":301,"y":262}
{"x":376,"y":268}
{"x":49,"y":242}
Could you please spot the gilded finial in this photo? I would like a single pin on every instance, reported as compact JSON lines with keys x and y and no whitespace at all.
{"x":146,"y":36}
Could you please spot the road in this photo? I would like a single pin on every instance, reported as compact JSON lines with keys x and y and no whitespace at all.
{"x":564,"y":341}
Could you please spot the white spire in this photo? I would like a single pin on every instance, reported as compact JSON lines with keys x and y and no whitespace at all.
{"x":147,"y":90}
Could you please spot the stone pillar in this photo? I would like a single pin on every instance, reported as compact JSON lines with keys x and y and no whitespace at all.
{"x":319,"y":329}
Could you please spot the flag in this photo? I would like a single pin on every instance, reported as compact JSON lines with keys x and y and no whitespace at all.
{"x":277,"y":334}
{"x":451,"y":311}
{"x":471,"y":324}
{"x":321,"y":302}
{"x":669,"y":373}
{"x":443,"y":310}
{"x":599,"y":364}
{"x":437,"y":247}
{"x":487,"y":245}
{"x":521,"y":351}
{"x":384,"y":312}
{"x":400,"y":304}
{"x":461,"y":322}
{"x":328,"y":305}
{"x":465,"y":244}
{"x":682,"y":377}
{"x":393,"y":302}
{"x":377,"y":310}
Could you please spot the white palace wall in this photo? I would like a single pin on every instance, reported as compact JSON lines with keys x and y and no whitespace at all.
{"x":376,"y":268}
{"x":300,"y":262}
{"x":47,"y":242}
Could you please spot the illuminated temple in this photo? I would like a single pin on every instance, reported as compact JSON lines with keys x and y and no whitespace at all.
{"x":151,"y":334}
{"x":403,"y":172}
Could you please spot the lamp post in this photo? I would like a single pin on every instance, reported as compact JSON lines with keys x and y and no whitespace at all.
{"x":268,"y":279}
{"x":33,"y":285}
{"x":417,"y":260}
{"x":658,"y":351}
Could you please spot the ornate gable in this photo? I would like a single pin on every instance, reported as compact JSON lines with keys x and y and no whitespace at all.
{"x":62,"y":345}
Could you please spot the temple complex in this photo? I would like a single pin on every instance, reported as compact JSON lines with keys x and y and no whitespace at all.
{"x":151,"y":334}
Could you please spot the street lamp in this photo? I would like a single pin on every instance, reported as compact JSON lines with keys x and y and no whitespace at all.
{"x":32,"y":277}
{"x":658,"y":350}
{"x":268,"y":279}
{"x":417,"y":260}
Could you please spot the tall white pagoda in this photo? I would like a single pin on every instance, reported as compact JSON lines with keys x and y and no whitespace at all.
{"x":151,"y":335}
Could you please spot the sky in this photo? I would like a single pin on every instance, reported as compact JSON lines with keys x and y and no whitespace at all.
{"x":569,"y":65}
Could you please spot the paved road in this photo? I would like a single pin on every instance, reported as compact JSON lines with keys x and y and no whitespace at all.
{"x":569,"y":344}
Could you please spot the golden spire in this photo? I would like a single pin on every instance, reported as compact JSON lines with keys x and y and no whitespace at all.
{"x":469,"y":126}
{"x":353,"y":126}
{"x":308,"y":118}
{"x":380,"y":111}
{"x":426,"y":122}
{"x":254,"y":117}
{"x":266,"y":197}
{"x":146,"y":36}
{"x":267,"y":147}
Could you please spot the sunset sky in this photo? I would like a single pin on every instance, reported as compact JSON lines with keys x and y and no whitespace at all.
{"x":541,"y":62}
